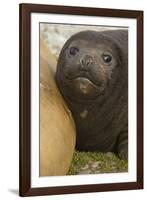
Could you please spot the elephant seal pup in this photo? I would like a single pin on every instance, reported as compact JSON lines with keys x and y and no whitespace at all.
{"x":92,"y":76}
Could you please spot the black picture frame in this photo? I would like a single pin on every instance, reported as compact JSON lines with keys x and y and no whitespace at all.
{"x":25,"y":99}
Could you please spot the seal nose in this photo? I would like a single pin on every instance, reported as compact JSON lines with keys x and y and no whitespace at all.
{"x":86,"y":62}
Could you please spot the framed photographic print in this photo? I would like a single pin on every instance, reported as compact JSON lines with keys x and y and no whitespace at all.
{"x":81,"y":99}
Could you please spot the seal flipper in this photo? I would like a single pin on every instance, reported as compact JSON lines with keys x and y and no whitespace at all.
{"x":122,"y":146}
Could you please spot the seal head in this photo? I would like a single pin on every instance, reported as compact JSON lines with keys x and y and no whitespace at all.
{"x":87,"y":64}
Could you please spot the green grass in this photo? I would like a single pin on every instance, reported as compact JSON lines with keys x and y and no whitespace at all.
{"x":93,"y":162}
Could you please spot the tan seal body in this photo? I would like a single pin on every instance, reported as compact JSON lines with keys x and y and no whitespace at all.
{"x":57,"y":130}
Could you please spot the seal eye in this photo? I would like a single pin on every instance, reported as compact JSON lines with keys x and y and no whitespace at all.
{"x":107,"y":58}
{"x":73,"y":51}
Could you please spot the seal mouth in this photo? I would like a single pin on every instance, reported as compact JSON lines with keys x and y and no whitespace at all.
{"x":84,"y":81}
{"x":83,"y":85}
{"x":83,"y":76}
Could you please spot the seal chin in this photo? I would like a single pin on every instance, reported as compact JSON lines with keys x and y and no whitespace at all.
{"x":84,"y":85}
{"x":84,"y":88}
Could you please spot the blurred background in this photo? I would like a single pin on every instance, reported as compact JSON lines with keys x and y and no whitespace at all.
{"x":55,"y":35}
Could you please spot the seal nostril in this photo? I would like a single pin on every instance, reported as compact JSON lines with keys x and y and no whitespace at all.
{"x":82,"y":62}
{"x":89,"y":62}
{"x":86,"y":62}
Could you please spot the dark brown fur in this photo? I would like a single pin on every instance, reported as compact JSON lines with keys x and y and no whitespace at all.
{"x":101,"y":115}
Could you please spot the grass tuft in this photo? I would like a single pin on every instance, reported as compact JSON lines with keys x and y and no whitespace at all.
{"x":95,"y":163}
